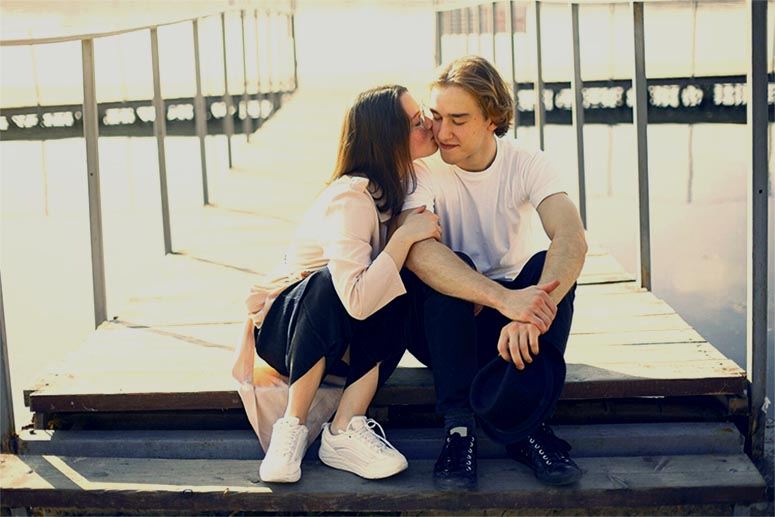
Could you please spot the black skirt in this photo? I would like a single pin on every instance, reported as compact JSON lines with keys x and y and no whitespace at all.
{"x":308,"y":322}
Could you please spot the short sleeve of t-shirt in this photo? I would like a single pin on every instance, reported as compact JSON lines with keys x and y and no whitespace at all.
{"x":541,"y":178}
{"x":422,"y":194}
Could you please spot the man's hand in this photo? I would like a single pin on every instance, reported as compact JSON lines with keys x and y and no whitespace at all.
{"x":517,"y":341}
{"x":531,"y":305}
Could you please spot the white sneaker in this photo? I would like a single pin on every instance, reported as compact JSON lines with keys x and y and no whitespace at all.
{"x":358,"y":449}
{"x":282,"y":463}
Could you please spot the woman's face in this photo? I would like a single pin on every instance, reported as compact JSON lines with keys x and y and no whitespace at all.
{"x":421,"y":142}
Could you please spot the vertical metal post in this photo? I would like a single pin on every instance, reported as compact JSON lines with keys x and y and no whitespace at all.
{"x":270,"y":79}
{"x":247,"y":123}
{"x":479,"y":27}
{"x":91,"y":135}
{"x":295,"y":61}
{"x":259,"y":95}
{"x":577,"y":86}
{"x":228,"y":121}
{"x":469,"y":13}
{"x":538,"y":86}
{"x":160,"y":130}
{"x":439,"y":34}
{"x":7,"y":424}
{"x":756,"y":224}
{"x":493,"y":22}
{"x":514,"y":84}
{"x":200,"y":115}
{"x":640,"y":119}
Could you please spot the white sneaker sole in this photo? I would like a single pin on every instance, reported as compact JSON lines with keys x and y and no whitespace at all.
{"x":333,"y":460}
{"x":287,"y":477}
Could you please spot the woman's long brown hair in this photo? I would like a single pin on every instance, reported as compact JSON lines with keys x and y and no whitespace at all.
{"x":375,"y":144}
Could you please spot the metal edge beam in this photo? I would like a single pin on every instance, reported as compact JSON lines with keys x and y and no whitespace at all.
{"x":200,"y":114}
{"x":160,"y":130}
{"x":91,"y":136}
{"x":577,"y":86}
{"x":640,"y":121}
{"x":756,"y":224}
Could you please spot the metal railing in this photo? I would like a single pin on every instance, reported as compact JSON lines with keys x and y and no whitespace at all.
{"x":91,"y":136}
{"x":757,"y":118}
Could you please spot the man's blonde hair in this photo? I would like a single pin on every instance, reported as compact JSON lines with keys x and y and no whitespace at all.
{"x":478,"y":77}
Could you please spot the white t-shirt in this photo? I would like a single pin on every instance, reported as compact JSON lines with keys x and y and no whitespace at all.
{"x":490,"y":215}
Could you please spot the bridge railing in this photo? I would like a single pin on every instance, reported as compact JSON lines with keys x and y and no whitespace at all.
{"x":244,"y":9}
{"x":457,"y":16}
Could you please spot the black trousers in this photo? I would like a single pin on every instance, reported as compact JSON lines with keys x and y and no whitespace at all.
{"x":308,"y":321}
{"x":455,"y":344}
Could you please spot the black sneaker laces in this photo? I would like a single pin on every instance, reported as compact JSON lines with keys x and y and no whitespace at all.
{"x":458,"y":453}
{"x":548,"y":446}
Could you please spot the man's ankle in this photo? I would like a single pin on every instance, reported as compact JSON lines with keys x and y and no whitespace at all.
{"x":459,"y":419}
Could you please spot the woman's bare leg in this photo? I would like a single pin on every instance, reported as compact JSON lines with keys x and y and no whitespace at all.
{"x":356,"y":399}
{"x":301,"y":392}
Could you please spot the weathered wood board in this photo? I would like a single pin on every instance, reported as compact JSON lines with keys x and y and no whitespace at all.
{"x":132,"y":483}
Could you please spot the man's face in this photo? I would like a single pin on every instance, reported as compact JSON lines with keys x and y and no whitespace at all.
{"x":463,"y":132}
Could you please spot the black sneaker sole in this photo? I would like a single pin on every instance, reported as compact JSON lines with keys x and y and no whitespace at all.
{"x":577,"y":475}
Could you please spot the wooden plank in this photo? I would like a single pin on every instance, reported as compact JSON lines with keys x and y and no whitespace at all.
{"x":229,"y":485}
{"x":587,"y":441}
{"x":160,"y":390}
{"x":173,"y":380}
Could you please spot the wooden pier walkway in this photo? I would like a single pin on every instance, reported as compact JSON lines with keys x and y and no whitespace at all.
{"x":155,"y":381}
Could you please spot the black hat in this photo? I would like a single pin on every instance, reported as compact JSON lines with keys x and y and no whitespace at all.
{"x":512,"y":403}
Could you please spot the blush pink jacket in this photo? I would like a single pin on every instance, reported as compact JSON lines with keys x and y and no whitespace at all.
{"x":344,"y":231}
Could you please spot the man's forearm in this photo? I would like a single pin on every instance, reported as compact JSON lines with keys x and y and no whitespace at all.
{"x":564,"y":261}
{"x":440,"y":268}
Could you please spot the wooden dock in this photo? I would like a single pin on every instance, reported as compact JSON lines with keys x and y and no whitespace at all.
{"x":145,"y":415}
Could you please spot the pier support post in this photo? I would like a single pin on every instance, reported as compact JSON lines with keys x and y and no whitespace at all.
{"x":439,"y":34}
{"x":247,"y":123}
{"x":538,"y":86}
{"x":295,"y":60}
{"x":514,"y":85}
{"x":493,"y":26}
{"x":160,"y":129}
{"x":756,"y":225}
{"x":228,"y":121}
{"x":577,"y":86}
{"x":200,"y":115}
{"x":91,"y":135}
{"x":640,"y":120}
{"x":7,"y":425}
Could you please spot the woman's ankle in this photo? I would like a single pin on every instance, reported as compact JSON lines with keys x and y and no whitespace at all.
{"x":339,"y":424}
{"x":302,"y":418}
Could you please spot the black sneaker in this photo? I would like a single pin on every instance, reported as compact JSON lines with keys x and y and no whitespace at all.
{"x":547,"y":456}
{"x":456,"y":466}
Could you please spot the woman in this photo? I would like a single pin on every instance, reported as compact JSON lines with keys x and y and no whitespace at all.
{"x":346,"y":318}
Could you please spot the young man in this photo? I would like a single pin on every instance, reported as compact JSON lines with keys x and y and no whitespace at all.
{"x":484,"y":296}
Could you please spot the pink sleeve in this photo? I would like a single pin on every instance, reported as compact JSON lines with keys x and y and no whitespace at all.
{"x":363,"y":286}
